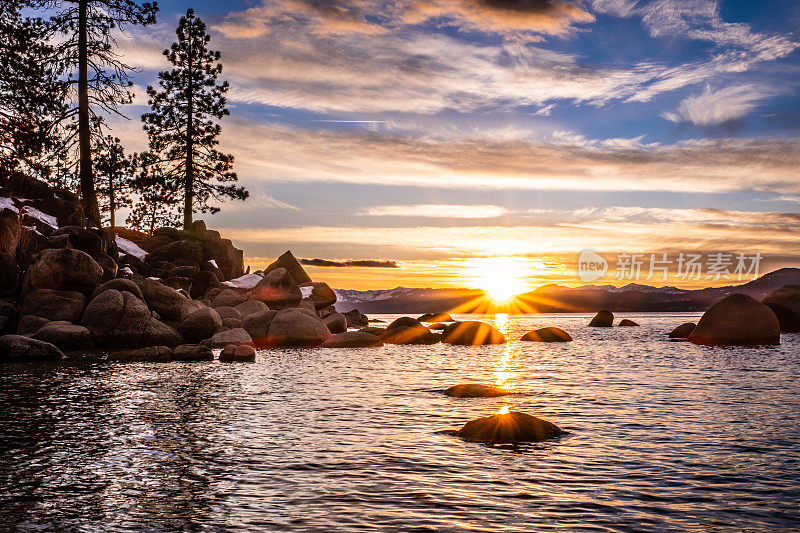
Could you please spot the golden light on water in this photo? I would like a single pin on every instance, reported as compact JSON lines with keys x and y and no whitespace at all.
{"x":503,"y":410}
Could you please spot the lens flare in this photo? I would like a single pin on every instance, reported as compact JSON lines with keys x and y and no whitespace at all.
{"x":503,"y":410}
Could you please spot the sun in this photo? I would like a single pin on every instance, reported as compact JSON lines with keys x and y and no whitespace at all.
{"x":501,"y":277}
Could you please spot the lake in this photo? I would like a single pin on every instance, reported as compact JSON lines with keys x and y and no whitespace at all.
{"x":661,"y":436}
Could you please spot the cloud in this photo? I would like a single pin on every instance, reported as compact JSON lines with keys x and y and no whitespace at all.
{"x":362,"y":263}
{"x":437,"y":211}
{"x":713,"y":107}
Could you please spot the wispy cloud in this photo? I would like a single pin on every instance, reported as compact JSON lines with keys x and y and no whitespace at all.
{"x":437,"y":211}
{"x":713,"y":107}
{"x":350,"y":263}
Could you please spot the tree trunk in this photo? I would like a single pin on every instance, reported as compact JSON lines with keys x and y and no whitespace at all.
{"x":188,"y":199}
{"x":111,"y":203}
{"x":88,"y":195}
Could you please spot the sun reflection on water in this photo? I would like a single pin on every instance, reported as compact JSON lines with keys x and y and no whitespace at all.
{"x":502,"y":373}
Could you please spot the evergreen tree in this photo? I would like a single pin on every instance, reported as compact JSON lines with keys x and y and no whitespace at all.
{"x":114,"y":170}
{"x":183,"y":127}
{"x":32,"y":97}
{"x":157,"y":204}
{"x":86,"y":29}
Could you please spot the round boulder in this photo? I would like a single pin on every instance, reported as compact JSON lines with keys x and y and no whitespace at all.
{"x":683,"y":331}
{"x":472,"y":333}
{"x":509,"y":428}
{"x":116,"y":318}
{"x":120,"y":284}
{"x":156,"y":333}
{"x":199,"y":325}
{"x":54,"y":305}
{"x":251,"y":307}
{"x":737,"y":320}
{"x":603,"y":319}
{"x":336,"y":323}
{"x":21,"y":349}
{"x":436,"y":317}
{"x":785,"y":303}
{"x":65,"y":335}
{"x":257,"y":326}
{"x":410,"y":335}
{"x":352,"y":339}
{"x":66,"y":269}
{"x":550,"y":334}
{"x":166,"y":301}
{"x":627,"y":323}
{"x":192,"y":353}
{"x":236,"y":337}
{"x":293,"y":327}
{"x":475,"y":390}
{"x":228,"y":298}
{"x":237,"y":354}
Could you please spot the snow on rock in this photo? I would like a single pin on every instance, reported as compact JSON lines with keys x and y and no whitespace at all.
{"x":127,"y":270}
{"x":8,"y":203}
{"x":41,"y":217}
{"x":130,"y":248}
{"x":213,"y":263}
{"x":248,"y":281}
{"x":306,"y":291}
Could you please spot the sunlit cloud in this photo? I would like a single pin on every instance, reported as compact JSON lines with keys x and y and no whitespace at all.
{"x":437,"y":211}
{"x":713,"y":107}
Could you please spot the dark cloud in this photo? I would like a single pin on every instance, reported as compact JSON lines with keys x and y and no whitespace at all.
{"x":369,"y":263}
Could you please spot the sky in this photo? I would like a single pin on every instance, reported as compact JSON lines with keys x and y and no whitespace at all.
{"x":441,"y":134}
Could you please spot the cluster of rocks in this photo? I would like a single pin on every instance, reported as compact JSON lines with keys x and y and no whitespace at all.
{"x":605,"y":319}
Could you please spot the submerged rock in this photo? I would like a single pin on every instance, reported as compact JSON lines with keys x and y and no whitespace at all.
{"x":352,"y":339}
{"x":603,"y":319}
{"x":627,"y":323}
{"x":237,"y":354}
{"x":683,"y":331}
{"x":737,"y":320}
{"x":475,"y":390}
{"x":509,"y":428}
{"x":192,"y":352}
{"x":785,"y":303}
{"x":21,"y":349}
{"x":296,"y":328}
{"x":472,"y":333}
{"x":550,"y":334}
{"x":436,"y":317}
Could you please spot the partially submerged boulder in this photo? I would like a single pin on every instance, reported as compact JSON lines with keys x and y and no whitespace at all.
{"x":237,"y":354}
{"x":627,"y":323}
{"x":235,"y":337}
{"x":472,"y":333}
{"x":683,"y":331}
{"x":21,"y":349}
{"x":603,"y":319}
{"x":192,"y":353}
{"x":65,"y":336}
{"x":116,"y":318}
{"x":294,"y":328}
{"x":549,"y":334}
{"x":475,"y":390}
{"x":410,"y":335}
{"x":436,"y":317}
{"x":785,"y":303}
{"x":352,"y":339}
{"x":737,"y":320}
{"x":509,"y":428}
{"x":148,"y":354}
{"x":200,"y":325}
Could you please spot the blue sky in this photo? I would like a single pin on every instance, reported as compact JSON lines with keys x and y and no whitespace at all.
{"x":437,"y":132}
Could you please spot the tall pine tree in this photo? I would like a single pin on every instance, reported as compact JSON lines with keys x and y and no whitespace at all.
{"x":115,"y":174}
{"x":183,"y":127}
{"x":156,"y":205}
{"x":87,"y":44}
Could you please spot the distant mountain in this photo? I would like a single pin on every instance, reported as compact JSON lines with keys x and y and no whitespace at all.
{"x":558,"y":299}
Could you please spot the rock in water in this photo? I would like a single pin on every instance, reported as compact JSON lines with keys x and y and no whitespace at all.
{"x":20,"y":349}
{"x":116,"y":318}
{"x":737,"y":320}
{"x":352,"y":339}
{"x":65,"y":269}
{"x":294,"y":328}
{"x":436,"y":317}
{"x":200,"y":324}
{"x":410,"y":335}
{"x":627,"y":323}
{"x":292,"y":265}
{"x":472,"y":333}
{"x":603,"y":319}
{"x":475,"y":390}
{"x":278,"y":290}
{"x":785,"y":303}
{"x":65,"y":335}
{"x":237,"y":354}
{"x":550,"y":334}
{"x":336,"y":323}
{"x":356,"y":319}
{"x":509,"y":428}
{"x":235,"y":337}
{"x":192,"y":352}
{"x":683,"y":331}
{"x":404,"y":322}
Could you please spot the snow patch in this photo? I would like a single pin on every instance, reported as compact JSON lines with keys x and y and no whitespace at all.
{"x":248,"y":281}
{"x":130,"y":248}
{"x":127,"y":270}
{"x":8,"y":203}
{"x":306,"y":291}
{"x":213,"y":263}
{"x":41,"y":217}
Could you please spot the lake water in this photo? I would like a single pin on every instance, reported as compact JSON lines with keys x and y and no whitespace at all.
{"x":662,"y":436}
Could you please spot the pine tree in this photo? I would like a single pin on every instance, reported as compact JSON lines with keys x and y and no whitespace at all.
{"x":183,"y":127}
{"x":32,"y":97}
{"x":87,"y":43}
{"x":157,"y":202}
{"x":114,"y":170}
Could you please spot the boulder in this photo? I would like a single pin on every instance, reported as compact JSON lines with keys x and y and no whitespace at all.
{"x":236,"y":337}
{"x":405,"y":322}
{"x":410,"y":335}
{"x":119,"y":284}
{"x":192,"y":352}
{"x":785,"y":303}
{"x":322,"y":295}
{"x":436,"y":317}
{"x":228,"y":298}
{"x":683,"y":331}
{"x":475,"y":390}
{"x":183,"y":252}
{"x":116,"y":318}
{"x":509,"y":428}
{"x":356,"y":319}
{"x":229,"y":259}
{"x":156,"y":333}
{"x":472,"y":333}
{"x":292,"y":265}
{"x":199,"y":325}
{"x":627,"y":323}
{"x":294,"y":328}
{"x":438,"y":326}
{"x":109,"y":266}
{"x":65,"y":335}
{"x":251,"y":307}
{"x":54,"y":305}
{"x":65,"y":269}
{"x":278,"y":290}
{"x":9,"y":273}
{"x":373,"y":330}
{"x":231,"y":318}
{"x":148,"y":354}
{"x":737,"y":320}
{"x":202,"y":281}
{"x":550,"y":334}
{"x":603,"y":319}
{"x":305,"y":303}
{"x":237,"y":354}
{"x":352,"y":339}
{"x":29,"y":324}
{"x":86,"y":240}
{"x":21,"y":349}
{"x":257,"y":326}
{"x":166,"y":301}
{"x":336,"y":323}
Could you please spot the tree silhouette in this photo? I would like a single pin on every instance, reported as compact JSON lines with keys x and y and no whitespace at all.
{"x":86,"y":29}
{"x":157,"y":198}
{"x":114,"y":170}
{"x":183,"y":127}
